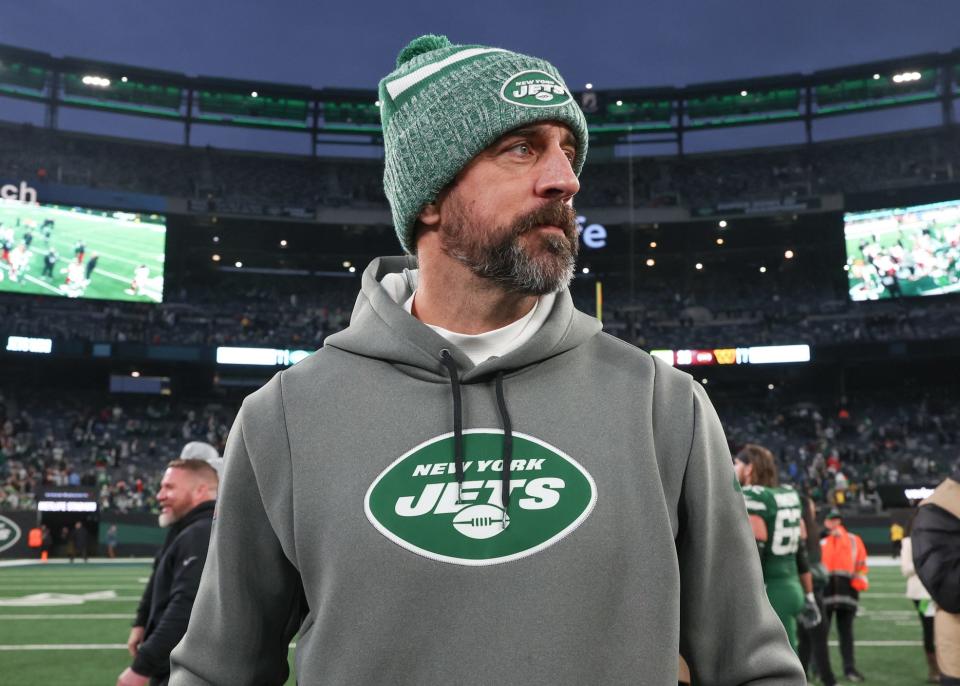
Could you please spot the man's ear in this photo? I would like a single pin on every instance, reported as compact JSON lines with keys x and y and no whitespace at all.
{"x":430,"y":214}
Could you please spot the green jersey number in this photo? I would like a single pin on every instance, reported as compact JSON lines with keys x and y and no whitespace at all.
{"x":786,"y":531}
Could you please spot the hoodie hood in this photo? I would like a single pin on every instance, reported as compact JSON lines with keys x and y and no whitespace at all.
{"x":381,"y":329}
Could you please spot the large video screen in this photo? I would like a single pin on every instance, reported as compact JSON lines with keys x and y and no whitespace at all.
{"x":76,"y":252}
{"x":903,"y":251}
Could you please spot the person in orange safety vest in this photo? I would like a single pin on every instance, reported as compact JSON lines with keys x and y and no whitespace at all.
{"x":845,"y":558}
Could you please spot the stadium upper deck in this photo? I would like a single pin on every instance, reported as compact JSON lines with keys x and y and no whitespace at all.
{"x":614,"y":115}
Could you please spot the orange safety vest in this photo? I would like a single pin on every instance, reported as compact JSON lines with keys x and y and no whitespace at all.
{"x":35,"y":538}
{"x":843,"y":554}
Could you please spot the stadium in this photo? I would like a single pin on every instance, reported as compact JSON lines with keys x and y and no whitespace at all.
{"x":146,"y":288}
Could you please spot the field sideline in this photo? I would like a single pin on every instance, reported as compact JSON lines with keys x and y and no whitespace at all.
{"x":76,"y":631}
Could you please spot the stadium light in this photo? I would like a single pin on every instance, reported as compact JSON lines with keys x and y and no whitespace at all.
{"x":124,"y":79}
{"x":238,"y":264}
{"x":719,"y":241}
{"x":763,"y":270}
{"x":347,"y":264}
{"x":585,"y":270}
{"x":770,"y":386}
{"x":699,"y":266}
{"x":653,"y":244}
{"x":98,"y":81}
{"x":376,"y":103}
{"x":723,"y":224}
{"x":283,"y":243}
{"x":846,"y":267}
{"x":254,"y":94}
{"x":215,"y":258}
{"x":589,"y":86}
{"x":352,"y":270}
{"x":906,"y":77}
{"x":743,"y":93}
{"x":216,"y":239}
{"x":876,"y":77}
{"x":704,"y":381}
{"x":135,"y":374}
{"x":788,"y":254}
{"x":651,"y":262}
{"x":619,"y":103}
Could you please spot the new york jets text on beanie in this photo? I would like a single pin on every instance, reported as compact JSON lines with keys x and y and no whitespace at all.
{"x":445,"y":103}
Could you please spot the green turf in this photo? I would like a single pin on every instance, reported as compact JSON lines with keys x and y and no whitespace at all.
{"x":886,"y":616}
{"x":121,"y":246}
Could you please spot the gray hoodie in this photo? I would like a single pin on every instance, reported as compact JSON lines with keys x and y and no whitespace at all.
{"x":363,"y":503}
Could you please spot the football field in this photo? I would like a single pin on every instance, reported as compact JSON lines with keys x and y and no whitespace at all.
{"x":122,"y":242}
{"x":68,"y":624}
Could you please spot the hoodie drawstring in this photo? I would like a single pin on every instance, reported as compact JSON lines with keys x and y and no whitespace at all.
{"x":451,"y":366}
{"x":507,"y":448}
{"x":447,"y":359}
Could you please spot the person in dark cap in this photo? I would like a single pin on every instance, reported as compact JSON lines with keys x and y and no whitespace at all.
{"x":472,"y":484}
{"x":844,"y":556}
{"x":935,"y":537}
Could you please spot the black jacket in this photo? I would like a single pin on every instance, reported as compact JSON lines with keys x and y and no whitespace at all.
{"x":164,"y":609}
{"x":935,"y":536}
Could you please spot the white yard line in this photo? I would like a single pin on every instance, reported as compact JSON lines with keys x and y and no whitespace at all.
{"x":123,"y":646}
{"x":71,"y":646}
{"x":56,"y":562}
{"x":64,"y":646}
{"x":37,"y":281}
{"x":78,"y":616}
{"x":882,"y":644}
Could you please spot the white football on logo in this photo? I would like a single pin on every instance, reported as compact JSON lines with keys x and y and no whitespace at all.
{"x":543,"y":96}
{"x":481,"y":521}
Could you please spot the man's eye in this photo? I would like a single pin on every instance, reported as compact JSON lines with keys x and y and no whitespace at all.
{"x":522,"y":148}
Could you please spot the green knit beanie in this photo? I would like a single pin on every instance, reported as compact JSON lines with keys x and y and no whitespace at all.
{"x":445,"y":103}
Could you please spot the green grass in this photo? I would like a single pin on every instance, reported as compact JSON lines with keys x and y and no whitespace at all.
{"x":886,"y":616}
{"x":121,"y":246}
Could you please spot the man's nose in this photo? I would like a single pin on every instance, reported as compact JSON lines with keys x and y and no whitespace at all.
{"x":557,"y":180}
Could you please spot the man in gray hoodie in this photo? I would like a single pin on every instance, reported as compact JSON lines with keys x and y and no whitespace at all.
{"x":472,"y":484}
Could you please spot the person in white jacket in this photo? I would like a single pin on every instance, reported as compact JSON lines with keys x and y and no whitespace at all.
{"x":924,"y":605}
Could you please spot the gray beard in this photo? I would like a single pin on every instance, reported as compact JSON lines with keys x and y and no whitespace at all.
{"x":509,"y":266}
{"x":506,"y":263}
{"x":165,"y":520}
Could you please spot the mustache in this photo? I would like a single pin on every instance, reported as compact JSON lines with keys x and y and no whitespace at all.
{"x":554,"y":214}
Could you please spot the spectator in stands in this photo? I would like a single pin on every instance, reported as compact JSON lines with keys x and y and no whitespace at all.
{"x":187,"y":495}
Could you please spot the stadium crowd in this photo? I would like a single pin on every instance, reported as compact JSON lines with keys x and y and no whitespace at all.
{"x":836,"y":449}
{"x":116,"y":447}
{"x":260,"y":184}
{"x":301,"y":312}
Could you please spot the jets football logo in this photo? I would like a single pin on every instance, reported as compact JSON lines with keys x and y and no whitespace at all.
{"x":534,"y":88}
{"x":9,"y":533}
{"x":417,"y":503}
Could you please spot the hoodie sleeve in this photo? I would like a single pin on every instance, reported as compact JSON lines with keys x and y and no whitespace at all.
{"x":728,"y":632}
{"x":248,"y":602}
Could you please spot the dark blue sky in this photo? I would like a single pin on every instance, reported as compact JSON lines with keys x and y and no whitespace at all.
{"x":609,"y":43}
